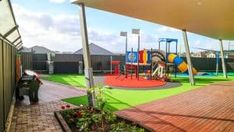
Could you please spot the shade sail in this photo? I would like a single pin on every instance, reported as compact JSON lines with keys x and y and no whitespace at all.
{"x":8,"y":24}
{"x":211,"y":18}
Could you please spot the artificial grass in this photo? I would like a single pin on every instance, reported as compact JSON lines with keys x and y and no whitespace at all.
{"x":118,"y":99}
{"x":67,"y":79}
{"x":81,"y":100}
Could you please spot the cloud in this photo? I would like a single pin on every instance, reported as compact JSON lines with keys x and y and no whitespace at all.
{"x":61,"y":32}
{"x":57,"y":32}
{"x":57,"y":1}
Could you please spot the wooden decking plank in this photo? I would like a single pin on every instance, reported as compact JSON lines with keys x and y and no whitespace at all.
{"x":206,"y":109}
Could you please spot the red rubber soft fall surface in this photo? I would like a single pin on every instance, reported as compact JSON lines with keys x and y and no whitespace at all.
{"x":121,"y":81}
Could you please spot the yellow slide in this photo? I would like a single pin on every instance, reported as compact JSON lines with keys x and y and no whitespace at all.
{"x":180,"y":63}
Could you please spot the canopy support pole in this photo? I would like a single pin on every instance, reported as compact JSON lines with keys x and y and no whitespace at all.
{"x":188,"y":57}
{"x":222,"y":58}
{"x":86,"y":55}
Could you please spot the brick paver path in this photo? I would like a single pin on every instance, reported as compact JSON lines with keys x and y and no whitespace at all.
{"x":209,"y":109}
{"x":40,"y":117}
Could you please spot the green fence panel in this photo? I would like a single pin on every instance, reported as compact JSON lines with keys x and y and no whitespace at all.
{"x":1,"y":88}
{"x":13,"y":70}
{"x":7,"y":78}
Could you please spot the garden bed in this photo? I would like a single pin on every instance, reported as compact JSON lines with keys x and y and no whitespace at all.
{"x":89,"y":119}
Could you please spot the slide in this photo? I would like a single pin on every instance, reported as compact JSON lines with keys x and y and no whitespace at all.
{"x":180,"y":63}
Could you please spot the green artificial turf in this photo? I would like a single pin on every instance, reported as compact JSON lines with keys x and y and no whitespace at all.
{"x":82,"y":100}
{"x":118,"y":99}
{"x":67,"y":79}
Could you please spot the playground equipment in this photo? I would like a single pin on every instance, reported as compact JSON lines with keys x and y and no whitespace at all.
{"x":153,"y":61}
{"x":157,"y":64}
{"x":160,"y":69}
{"x":116,"y":65}
{"x":136,"y":59}
{"x":168,"y":42}
{"x":171,"y":57}
{"x":180,"y":63}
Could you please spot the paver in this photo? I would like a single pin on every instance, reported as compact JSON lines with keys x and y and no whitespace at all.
{"x":40,"y":117}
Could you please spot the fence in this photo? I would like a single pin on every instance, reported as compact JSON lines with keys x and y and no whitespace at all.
{"x":209,"y":64}
{"x":69,"y":63}
{"x":26,"y":61}
{"x":36,"y":62}
{"x":100,"y":63}
{"x":7,"y":80}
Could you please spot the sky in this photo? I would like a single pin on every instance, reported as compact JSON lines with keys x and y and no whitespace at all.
{"x":55,"y":24}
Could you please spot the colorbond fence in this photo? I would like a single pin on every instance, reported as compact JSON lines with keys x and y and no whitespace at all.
{"x":209,"y":64}
{"x":7,"y":79}
{"x":26,"y":60}
{"x":36,"y":62}
{"x":101,"y":63}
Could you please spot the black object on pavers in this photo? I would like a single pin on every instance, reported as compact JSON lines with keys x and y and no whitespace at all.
{"x":28,"y":84}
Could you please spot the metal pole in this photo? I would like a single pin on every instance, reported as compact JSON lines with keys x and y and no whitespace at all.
{"x":138,"y":57}
{"x":86,"y":55}
{"x":151,"y":65}
{"x":217,"y":63}
{"x":126,"y":52}
{"x":175,"y":68}
{"x":222,"y":58}
{"x":126,"y":48}
{"x":111,"y":59}
{"x":139,"y":39}
{"x":159,"y":45}
{"x":166,"y":48}
{"x":131,"y":61}
{"x":169,"y":47}
{"x":191,"y":78}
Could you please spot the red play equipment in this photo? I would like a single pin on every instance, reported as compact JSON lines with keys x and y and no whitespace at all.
{"x":131,"y":67}
{"x":116,"y":65}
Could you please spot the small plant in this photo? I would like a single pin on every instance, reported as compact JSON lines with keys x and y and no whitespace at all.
{"x":99,"y":119}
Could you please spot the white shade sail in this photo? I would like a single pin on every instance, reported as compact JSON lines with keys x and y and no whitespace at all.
{"x":8,"y":26}
{"x":212,"y":18}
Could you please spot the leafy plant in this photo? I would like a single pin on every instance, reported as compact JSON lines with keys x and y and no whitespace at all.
{"x":88,"y":118}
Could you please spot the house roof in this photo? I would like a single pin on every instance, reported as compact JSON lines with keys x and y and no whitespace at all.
{"x":41,"y":50}
{"x":212,"y":18}
{"x":67,"y":58}
{"x":95,"y":50}
{"x":37,"y":50}
{"x":25,"y":49}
